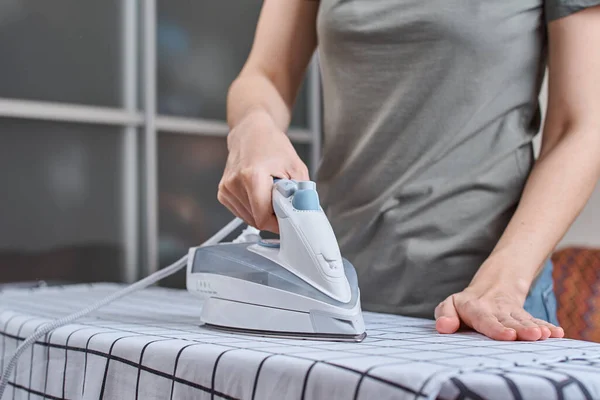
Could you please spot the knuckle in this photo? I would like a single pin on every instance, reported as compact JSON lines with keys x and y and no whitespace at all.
{"x":221,"y":197}
{"x":227,"y":182}
{"x":226,"y":186}
{"x":229,"y":179}
{"x":470,"y":304}
{"x":300,"y":169}
{"x":246,"y":174}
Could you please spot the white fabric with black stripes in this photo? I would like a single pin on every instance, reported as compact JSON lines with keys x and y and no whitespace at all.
{"x":149,"y":346}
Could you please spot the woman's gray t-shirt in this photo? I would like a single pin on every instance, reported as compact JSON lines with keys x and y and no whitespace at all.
{"x":430,"y":108}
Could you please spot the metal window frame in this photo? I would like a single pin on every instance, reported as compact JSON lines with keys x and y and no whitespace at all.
{"x":130,"y":158}
{"x":98,"y":115}
{"x":140,"y":205}
{"x":150,"y":180}
{"x":65,"y":112}
{"x":315,"y":117}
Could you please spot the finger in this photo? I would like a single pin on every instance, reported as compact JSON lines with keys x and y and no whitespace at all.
{"x":525,"y":331}
{"x":272,"y":225}
{"x":239,"y":199}
{"x":486,"y":323}
{"x":446,"y":317}
{"x":299,"y":171}
{"x":527,"y":320}
{"x":546,"y":333}
{"x":242,"y":200}
{"x":259,"y":186}
{"x":233,"y":204}
{"x":555,"y":331}
{"x":483,"y":320}
{"x":242,"y":211}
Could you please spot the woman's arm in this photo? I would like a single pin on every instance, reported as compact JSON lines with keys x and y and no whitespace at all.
{"x":568,"y":168}
{"x":559,"y":186}
{"x":284,"y":42}
{"x":259,"y":108}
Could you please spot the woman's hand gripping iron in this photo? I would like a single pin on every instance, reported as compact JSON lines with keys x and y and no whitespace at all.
{"x":299,"y":286}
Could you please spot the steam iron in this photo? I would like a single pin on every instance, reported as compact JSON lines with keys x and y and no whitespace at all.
{"x":298,"y":286}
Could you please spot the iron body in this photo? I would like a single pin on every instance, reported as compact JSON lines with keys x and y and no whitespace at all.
{"x":299,"y":286}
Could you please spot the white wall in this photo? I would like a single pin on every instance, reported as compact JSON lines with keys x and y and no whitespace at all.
{"x":586,"y":229}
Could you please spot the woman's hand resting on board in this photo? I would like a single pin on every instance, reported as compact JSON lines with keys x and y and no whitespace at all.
{"x":493,"y":306}
{"x":258,"y":152}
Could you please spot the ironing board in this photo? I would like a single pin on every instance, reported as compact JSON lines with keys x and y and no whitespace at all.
{"x":149,"y":346}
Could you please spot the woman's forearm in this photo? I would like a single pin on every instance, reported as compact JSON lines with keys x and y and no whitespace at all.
{"x":568,"y":169}
{"x":284,"y":43}
{"x":558,"y":188}
{"x":256,"y":93}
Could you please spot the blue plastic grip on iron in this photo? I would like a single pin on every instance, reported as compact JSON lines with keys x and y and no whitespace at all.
{"x":306,"y":197}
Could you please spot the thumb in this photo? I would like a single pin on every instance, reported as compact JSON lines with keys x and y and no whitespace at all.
{"x":446,"y":317}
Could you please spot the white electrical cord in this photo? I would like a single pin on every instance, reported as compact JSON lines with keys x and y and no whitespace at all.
{"x":141,"y":284}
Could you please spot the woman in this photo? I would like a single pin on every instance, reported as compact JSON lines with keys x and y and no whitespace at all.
{"x":428,"y":173}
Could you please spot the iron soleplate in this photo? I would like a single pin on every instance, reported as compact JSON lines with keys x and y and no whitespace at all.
{"x":329,"y":337}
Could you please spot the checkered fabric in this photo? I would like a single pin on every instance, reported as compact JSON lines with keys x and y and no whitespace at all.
{"x":149,"y":346}
{"x":577,"y":287}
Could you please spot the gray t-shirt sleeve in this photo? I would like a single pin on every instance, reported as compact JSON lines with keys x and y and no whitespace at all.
{"x":556,"y":9}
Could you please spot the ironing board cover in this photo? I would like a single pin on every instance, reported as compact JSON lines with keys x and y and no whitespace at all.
{"x":149,"y":346}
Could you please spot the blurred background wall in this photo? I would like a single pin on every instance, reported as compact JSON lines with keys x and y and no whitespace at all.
{"x":112,"y":133}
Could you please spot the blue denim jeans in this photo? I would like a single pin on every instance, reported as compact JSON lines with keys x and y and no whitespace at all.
{"x":541,"y":301}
